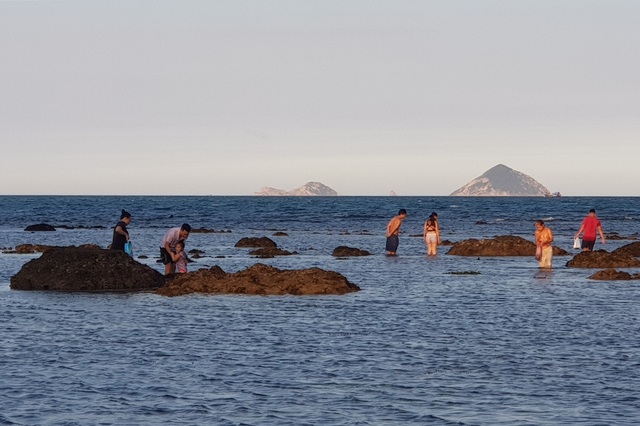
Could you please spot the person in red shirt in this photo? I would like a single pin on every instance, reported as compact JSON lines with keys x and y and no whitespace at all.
{"x":590,"y":225}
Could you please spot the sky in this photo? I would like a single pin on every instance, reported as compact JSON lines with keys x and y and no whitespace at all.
{"x":223,"y":97}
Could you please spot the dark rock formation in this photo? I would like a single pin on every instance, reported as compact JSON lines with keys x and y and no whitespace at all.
{"x":40,"y":227}
{"x":632,"y":249}
{"x":344,"y":251}
{"x":39,"y":248}
{"x":613,"y":236}
{"x":269,"y":252}
{"x":261,"y":280}
{"x":613,"y":275}
{"x":603,"y":259}
{"x":196,"y":254}
{"x":505,"y":245}
{"x":256,"y":242}
{"x":280,"y":234}
{"x":86,"y":269}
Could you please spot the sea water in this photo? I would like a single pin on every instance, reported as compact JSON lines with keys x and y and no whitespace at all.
{"x":428,"y":340}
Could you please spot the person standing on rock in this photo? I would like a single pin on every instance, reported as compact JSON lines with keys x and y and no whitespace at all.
{"x":120,"y":233}
{"x":590,"y":225}
{"x":171,"y":238}
{"x":393,"y":229}
{"x":432,"y":234}
{"x":544,"y":250}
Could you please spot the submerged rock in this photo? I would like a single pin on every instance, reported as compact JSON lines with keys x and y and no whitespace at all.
{"x":505,"y":245}
{"x":39,"y":248}
{"x":603,"y":259}
{"x":344,"y":251}
{"x":86,"y":269}
{"x":268,"y":252}
{"x":249,"y":242}
{"x":259,"y":280}
{"x":208,"y":231}
{"x":613,"y":275}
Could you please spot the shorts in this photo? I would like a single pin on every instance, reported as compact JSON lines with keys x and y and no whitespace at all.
{"x":586,"y":244}
{"x":547,"y":256}
{"x":165,"y":257}
{"x":431,"y":238}
{"x":392,"y":243}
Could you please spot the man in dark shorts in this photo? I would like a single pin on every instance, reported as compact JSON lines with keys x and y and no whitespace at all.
{"x":169,"y":245}
{"x":393,"y":229}
{"x":590,"y":225}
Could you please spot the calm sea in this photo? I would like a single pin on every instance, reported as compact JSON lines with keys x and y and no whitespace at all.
{"x":420,"y":344}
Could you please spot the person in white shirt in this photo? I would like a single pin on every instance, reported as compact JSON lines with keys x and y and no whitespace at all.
{"x":169,"y":242}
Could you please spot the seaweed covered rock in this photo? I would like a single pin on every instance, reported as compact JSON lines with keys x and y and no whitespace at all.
{"x":632,"y":249}
{"x":614,"y":275}
{"x":252,"y":242}
{"x":86,"y":269}
{"x":603,"y":259}
{"x":259,"y":279}
{"x":505,"y":245}
{"x":344,"y":251}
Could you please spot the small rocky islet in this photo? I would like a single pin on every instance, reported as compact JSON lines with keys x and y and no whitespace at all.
{"x":104,"y":270}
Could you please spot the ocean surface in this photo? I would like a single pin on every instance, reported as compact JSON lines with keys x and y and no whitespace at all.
{"x":421,"y":343}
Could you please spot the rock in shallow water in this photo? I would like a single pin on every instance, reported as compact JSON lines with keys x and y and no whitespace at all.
{"x":86,"y":269}
{"x":40,"y":227}
{"x":613,"y":275}
{"x":260,"y":279}
{"x":253,"y":242}
{"x":344,"y":251}
{"x":603,"y":259}
{"x":505,"y":245}
{"x":632,"y":249}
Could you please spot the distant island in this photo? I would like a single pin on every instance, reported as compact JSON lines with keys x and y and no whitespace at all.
{"x":309,"y":189}
{"x":503,"y":181}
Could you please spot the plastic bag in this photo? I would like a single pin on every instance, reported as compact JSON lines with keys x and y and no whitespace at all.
{"x":577,"y":243}
{"x":128,"y":248}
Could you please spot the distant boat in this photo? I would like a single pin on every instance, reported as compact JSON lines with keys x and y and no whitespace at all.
{"x":552,"y":195}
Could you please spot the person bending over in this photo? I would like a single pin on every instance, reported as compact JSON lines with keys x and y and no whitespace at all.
{"x":169,"y":241}
{"x":393,"y":229}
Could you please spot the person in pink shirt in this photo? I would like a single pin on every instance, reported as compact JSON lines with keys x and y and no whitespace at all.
{"x":590,"y":226}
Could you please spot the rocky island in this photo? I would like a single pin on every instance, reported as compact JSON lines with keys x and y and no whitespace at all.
{"x":309,"y":189}
{"x":502,"y":181}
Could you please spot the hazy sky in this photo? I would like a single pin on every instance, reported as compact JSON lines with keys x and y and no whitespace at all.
{"x":366,"y":96}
